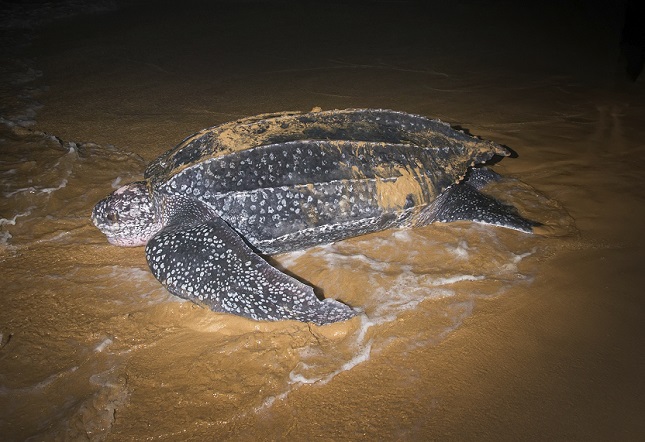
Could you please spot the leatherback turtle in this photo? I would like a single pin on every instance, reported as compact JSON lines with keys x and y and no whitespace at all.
{"x":273,"y":183}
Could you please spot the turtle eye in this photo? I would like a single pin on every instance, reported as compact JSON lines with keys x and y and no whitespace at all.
{"x":113,"y":217}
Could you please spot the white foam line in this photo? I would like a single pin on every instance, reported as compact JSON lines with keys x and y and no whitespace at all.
{"x":21,"y":190}
{"x":289,"y":260}
{"x":117,"y":182}
{"x":333,"y":258}
{"x":12,"y":221}
{"x":518,"y":258}
{"x":406,"y":292}
{"x":461,"y":251}
{"x":296,"y":379}
{"x":49,"y":190}
{"x":402,"y":235}
{"x":454,"y":279}
{"x":103,"y":345}
{"x":362,"y":355}
{"x":4,"y":240}
{"x":32,"y":189}
{"x":384,"y":313}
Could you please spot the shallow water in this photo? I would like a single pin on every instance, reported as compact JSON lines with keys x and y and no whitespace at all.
{"x":466,"y":331}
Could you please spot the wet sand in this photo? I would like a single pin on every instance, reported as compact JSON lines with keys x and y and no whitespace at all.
{"x":532,"y":337}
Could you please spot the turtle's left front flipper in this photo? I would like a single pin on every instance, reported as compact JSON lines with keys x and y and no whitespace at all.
{"x":207,"y":262}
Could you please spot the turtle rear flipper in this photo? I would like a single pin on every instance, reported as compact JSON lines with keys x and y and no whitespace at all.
{"x":463,"y":202}
{"x":207,"y":262}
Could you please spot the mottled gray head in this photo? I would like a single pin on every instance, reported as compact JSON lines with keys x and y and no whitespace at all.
{"x":128,"y":216}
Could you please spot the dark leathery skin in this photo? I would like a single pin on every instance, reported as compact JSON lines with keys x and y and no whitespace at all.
{"x":307,"y":179}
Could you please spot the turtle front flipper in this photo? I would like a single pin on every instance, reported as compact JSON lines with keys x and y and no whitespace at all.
{"x":207,"y":262}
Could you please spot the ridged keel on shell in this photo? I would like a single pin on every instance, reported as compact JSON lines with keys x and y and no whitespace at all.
{"x":295,"y":194}
{"x":372,"y":125}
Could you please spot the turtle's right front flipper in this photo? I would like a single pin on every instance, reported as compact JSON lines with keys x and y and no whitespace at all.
{"x":208,"y":263}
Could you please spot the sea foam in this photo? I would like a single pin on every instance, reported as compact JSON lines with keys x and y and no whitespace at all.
{"x":394,"y":283}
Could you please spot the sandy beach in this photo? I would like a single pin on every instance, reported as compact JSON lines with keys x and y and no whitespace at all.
{"x":470,"y":332}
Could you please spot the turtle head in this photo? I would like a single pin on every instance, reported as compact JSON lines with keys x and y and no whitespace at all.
{"x":128,"y":216}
